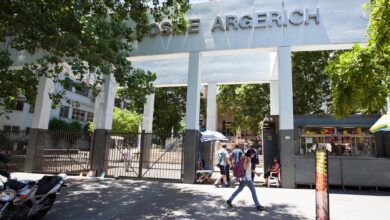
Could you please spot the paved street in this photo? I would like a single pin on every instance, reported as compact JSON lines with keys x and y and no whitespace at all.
{"x":132,"y":199}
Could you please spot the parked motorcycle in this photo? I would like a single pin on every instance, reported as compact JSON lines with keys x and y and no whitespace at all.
{"x":27,"y":199}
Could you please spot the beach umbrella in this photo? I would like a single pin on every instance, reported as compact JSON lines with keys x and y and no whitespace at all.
{"x":212,"y":136}
{"x":383,"y":124}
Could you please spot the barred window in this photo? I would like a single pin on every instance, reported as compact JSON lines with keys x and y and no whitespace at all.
{"x":64,"y":111}
{"x":89,"y":116}
{"x":11,"y":128}
{"x":78,"y":114}
{"x":7,"y":128}
{"x":19,"y":105}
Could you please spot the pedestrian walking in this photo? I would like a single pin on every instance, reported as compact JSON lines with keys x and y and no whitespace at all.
{"x":221,"y":164}
{"x":242,"y":169}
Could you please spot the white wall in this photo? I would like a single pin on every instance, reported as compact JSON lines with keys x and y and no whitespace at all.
{"x":23,"y":119}
{"x":341,"y":22}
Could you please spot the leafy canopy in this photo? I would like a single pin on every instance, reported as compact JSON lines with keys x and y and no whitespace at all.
{"x":311,"y":91}
{"x":79,"y":38}
{"x":248,"y":104}
{"x":125,"y":121}
{"x":169,"y":108}
{"x":360,"y":78}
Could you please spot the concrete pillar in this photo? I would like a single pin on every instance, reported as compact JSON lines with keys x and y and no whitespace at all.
{"x":191,"y":138}
{"x":102,"y":124}
{"x":388,"y":104}
{"x":104,"y":104}
{"x":147,"y":123}
{"x":100,"y":151}
{"x":211,"y":122}
{"x":40,"y":121}
{"x":42,"y":106}
{"x":147,"y":129}
{"x":286,"y":118}
{"x":274,"y":97}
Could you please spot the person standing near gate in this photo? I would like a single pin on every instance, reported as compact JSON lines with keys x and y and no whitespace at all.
{"x":127,"y":156}
{"x":221,"y":164}
{"x":254,"y":161}
{"x":242,"y":170}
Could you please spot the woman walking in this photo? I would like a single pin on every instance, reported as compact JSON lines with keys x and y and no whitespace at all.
{"x":246,"y":180}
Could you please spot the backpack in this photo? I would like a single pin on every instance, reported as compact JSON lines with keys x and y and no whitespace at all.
{"x":256,"y":157}
{"x":238,"y":169}
{"x":219,"y":159}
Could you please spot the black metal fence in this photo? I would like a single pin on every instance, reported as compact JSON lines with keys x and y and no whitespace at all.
{"x":13,"y":146}
{"x":63,"y":151}
{"x":146,"y":155}
{"x":137,"y":155}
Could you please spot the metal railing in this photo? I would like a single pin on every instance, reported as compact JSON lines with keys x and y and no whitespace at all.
{"x":63,"y":151}
{"x":13,"y":145}
{"x":146,"y":155}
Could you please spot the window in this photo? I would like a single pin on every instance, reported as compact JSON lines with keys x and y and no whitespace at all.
{"x":78,"y":114}
{"x":64,"y":111}
{"x":117,"y":103}
{"x":341,"y":141}
{"x":31,"y":109}
{"x":89,"y":116}
{"x":84,"y":91}
{"x":11,"y":128}
{"x":19,"y":106}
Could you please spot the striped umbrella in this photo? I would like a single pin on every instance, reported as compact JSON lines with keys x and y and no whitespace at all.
{"x":383,"y":124}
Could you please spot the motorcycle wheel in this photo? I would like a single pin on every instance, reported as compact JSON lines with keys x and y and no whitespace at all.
{"x":49,"y":203}
{"x":16,"y":213}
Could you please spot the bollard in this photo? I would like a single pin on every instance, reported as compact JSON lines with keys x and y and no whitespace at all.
{"x":322,"y":187}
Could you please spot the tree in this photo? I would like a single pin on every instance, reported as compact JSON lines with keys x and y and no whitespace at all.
{"x":125,"y":121}
{"x":169,"y":108}
{"x":360,"y":77}
{"x":249,"y":104}
{"x":84,"y":39}
{"x":310,"y":82}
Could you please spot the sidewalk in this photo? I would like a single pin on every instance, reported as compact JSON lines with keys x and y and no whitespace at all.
{"x":132,"y":199}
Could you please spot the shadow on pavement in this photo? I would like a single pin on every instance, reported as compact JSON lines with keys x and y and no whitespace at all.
{"x":132,"y":199}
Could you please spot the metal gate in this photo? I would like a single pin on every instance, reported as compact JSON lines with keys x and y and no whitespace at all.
{"x":63,"y":151}
{"x":145,"y":155}
{"x":13,"y":146}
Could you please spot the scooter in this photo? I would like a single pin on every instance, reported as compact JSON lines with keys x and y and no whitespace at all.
{"x":27,"y":199}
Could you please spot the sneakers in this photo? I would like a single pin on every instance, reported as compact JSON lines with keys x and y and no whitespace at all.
{"x":229,"y":204}
{"x":260,"y":208}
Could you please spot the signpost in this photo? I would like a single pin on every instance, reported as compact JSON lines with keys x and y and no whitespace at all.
{"x":322,"y":188}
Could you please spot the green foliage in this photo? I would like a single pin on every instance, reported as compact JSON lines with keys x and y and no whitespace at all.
{"x":125,"y":121}
{"x":59,"y":124}
{"x":310,"y":82}
{"x":248,"y":103}
{"x":169,"y":108}
{"x":360,"y":77}
{"x":88,"y":127}
{"x":85,"y":39}
{"x":358,"y":84}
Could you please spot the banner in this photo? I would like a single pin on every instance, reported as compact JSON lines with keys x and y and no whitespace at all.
{"x":322,"y":193}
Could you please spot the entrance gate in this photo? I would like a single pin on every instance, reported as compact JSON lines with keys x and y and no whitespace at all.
{"x":145,"y":155}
